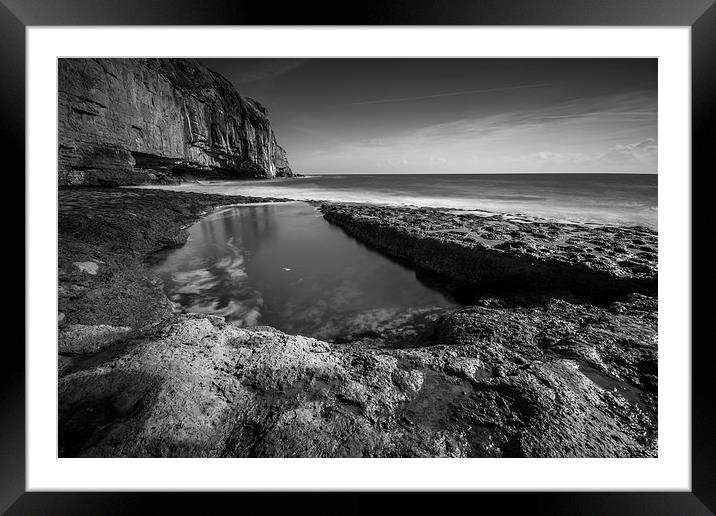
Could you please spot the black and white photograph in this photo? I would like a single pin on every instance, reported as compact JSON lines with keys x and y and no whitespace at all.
{"x":357,"y":257}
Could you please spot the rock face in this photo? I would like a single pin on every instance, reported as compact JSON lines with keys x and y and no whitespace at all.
{"x":134,"y":121}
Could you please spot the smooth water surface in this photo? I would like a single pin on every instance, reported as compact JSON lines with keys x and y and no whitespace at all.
{"x":621,"y":199}
{"x":283,"y":265}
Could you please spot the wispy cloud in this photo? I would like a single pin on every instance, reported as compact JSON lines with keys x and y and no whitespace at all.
{"x":607,"y":114}
{"x":447,"y":94}
{"x":644,"y":151}
{"x":615,"y":133}
{"x":636,"y":156}
{"x":269,"y":69}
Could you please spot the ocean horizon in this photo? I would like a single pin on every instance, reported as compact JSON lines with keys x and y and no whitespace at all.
{"x":591,"y":198}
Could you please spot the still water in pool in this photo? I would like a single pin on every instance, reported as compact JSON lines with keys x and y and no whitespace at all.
{"x":283,"y":265}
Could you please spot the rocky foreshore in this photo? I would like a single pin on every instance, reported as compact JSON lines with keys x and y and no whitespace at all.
{"x":506,"y":250}
{"x":559,"y":377}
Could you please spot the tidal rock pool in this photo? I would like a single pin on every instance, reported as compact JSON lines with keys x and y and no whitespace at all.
{"x":283,"y":265}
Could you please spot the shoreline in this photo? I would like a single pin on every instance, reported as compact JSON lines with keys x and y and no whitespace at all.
{"x":329,"y":192}
{"x":259,"y":392}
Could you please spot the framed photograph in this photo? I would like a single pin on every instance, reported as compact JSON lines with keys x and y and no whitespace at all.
{"x":420,"y":248}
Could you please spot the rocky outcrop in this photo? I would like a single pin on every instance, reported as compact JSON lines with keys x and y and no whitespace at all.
{"x":494,"y":379}
{"x":494,"y":384}
{"x":135,"y":121}
{"x":602,"y":261}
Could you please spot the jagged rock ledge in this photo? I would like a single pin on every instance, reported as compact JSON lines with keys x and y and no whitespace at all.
{"x":492,"y":248}
{"x":137,"y":379}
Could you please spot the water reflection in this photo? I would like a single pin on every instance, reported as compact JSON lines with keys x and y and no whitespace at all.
{"x":283,"y":265}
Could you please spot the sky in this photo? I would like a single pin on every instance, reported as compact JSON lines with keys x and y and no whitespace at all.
{"x":442,"y":115}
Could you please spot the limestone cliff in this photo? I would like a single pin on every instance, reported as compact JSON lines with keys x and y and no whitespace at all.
{"x":133,"y":121}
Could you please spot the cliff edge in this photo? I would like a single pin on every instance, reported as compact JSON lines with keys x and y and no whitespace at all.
{"x":135,"y":121}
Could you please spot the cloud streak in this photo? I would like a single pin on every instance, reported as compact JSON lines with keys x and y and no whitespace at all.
{"x":606,"y":114}
{"x":448,"y":94}
{"x":269,"y":70}
{"x":638,"y":156}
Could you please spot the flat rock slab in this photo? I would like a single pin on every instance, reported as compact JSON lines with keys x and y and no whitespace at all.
{"x":562,"y":381}
{"x":88,"y":267}
{"x":508,"y":250}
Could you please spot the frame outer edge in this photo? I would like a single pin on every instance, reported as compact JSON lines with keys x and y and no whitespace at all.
{"x":367,"y":12}
{"x":12,"y":365}
{"x":703,"y":120}
{"x":12,"y":138}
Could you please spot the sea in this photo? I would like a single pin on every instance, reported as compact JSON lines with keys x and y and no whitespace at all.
{"x":615,"y":199}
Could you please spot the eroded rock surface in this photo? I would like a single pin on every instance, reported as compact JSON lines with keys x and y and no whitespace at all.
{"x":135,"y":121}
{"x":510,"y":251}
{"x":555,"y":378}
{"x":489,"y":386}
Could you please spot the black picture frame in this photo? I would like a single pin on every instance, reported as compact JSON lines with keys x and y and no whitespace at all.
{"x":700,"y":15}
